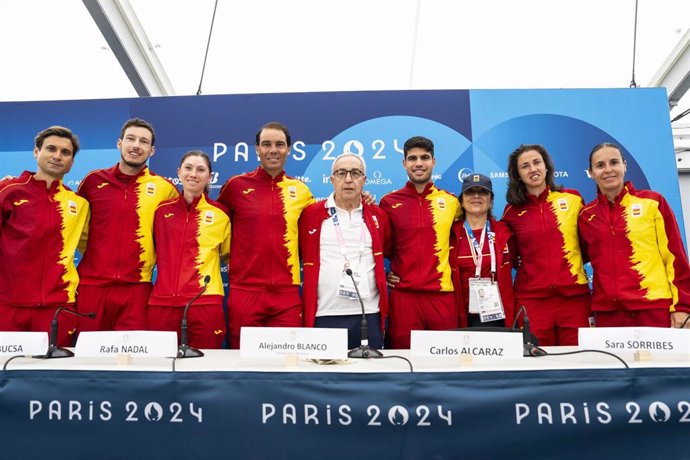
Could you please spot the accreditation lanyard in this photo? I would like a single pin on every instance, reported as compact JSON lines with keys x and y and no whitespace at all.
{"x":341,"y":239}
{"x":476,"y":249}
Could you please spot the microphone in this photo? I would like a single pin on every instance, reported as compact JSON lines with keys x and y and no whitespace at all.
{"x":53,"y":350}
{"x":184,"y":350}
{"x":530,"y":343}
{"x":363,"y":351}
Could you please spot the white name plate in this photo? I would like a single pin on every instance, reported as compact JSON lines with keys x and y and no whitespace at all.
{"x":23,"y":343}
{"x":305,"y":342}
{"x":479,"y":345}
{"x":664,"y":340}
{"x":151,"y":344}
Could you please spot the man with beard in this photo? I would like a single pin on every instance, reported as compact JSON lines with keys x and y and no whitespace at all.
{"x":421,"y":217}
{"x":41,"y":221}
{"x":115,"y":273}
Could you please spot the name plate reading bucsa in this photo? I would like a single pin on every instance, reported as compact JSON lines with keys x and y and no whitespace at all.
{"x":23,"y":343}
{"x":479,"y":345}
{"x":663,"y":340}
{"x":150,"y":344}
{"x":305,"y":342}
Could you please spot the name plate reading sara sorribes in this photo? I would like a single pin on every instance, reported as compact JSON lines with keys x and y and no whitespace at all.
{"x":305,"y":342}
{"x":23,"y":343}
{"x":479,"y":345}
{"x":150,"y":344}
{"x":662,"y":340}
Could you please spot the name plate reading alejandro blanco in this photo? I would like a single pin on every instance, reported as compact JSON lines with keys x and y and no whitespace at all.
{"x":23,"y":343}
{"x":662,"y":340}
{"x":479,"y":345}
{"x":305,"y":342}
{"x":151,"y":344}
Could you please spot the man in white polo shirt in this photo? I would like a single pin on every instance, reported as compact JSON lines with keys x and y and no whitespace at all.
{"x":338,"y":233}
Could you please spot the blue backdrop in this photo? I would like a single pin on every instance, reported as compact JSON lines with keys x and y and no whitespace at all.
{"x":474,"y":131}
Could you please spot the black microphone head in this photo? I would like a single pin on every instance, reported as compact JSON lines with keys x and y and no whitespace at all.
{"x":91,"y":315}
{"x":348,"y":272}
{"x":207,"y":279}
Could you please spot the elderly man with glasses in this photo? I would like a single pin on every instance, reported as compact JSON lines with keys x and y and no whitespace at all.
{"x":340,"y":233}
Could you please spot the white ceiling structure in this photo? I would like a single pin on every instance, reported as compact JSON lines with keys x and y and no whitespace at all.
{"x":86,"y":49}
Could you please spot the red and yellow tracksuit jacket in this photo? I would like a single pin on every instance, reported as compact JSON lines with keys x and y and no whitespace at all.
{"x":463,"y":266}
{"x":264,"y":212}
{"x":190,"y":241}
{"x":39,"y":231}
{"x":421,"y":225}
{"x":120,"y":240}
{"x":310,"y":248}
{"x":547,"y":244}
{"x":636,"y":251}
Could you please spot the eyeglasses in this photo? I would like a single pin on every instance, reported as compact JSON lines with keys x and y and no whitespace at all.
{"x":342,"y":173}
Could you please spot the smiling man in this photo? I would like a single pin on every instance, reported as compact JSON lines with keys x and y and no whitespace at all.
{"x":265,"y":206}
{"x":119,"y":258}
{"x":338,"y":233}
{"x":421,"y":217}
{"x":41,"y":222}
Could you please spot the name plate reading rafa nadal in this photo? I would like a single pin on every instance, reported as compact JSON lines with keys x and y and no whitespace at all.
{"x":23,"y":343}
{"x":655,"y":340}
{"x":305,"y":342}
{"x":479,"y":345}
{"x":150,"y":344}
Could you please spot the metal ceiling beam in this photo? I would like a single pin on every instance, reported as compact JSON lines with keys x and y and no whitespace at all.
{"x":674,"y":73}
{"x":127,"y":39}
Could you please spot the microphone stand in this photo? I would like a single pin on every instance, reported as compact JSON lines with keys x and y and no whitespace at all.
{"x":184,"y":350}
{"x":364,"y":350}
{"x":528,"y":348}
{"x":53,"y":350}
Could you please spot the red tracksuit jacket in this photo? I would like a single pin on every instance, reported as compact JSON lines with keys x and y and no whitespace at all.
{"x":636,"y":251}
{"x":120,"y":241}
{"x":505,"y":259}
{"x":264,"y":212}
{"x":547,"y":244}
{"x":39,"y":231}
{"x":420,"y":225}
{"x":190,"y":241}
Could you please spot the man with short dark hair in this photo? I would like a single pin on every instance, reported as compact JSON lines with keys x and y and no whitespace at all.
{"x":264,"y":207}
{"x":421,"y":218}
{"x":118,"y":263}
{"x":41,"y":223}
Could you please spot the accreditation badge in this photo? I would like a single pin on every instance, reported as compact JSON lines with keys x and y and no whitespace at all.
{"x":485,"y":300}
{"x":347,"y":289}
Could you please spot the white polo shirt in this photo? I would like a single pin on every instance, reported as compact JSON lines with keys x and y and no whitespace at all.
{"x":332,"y":262}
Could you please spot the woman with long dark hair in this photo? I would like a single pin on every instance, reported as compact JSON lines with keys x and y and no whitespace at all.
{"x":551,"y":282}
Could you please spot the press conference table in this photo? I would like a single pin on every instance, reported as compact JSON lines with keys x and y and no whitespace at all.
{"x":225,"y":406}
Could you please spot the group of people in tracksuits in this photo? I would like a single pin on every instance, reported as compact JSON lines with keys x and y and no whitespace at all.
{"x":453,"y":263}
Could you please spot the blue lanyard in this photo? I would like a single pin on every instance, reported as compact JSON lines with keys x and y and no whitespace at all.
{"x":476,"y":248}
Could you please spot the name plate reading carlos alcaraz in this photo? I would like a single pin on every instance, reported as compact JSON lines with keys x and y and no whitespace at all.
{"x":150,"y":344}
{"x":655,"y":340}
{"x":305,"y":342}
{"x":479,"y":345}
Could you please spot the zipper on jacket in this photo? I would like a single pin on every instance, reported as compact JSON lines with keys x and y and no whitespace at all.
{"x":122,"y":231}
{"x":184,"y":249}
{"x":43,"y":265}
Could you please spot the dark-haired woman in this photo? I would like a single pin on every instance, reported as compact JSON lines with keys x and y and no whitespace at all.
{"x":641,"y":272}
{"x":551,"y":282}
{"x":192,"y":234}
